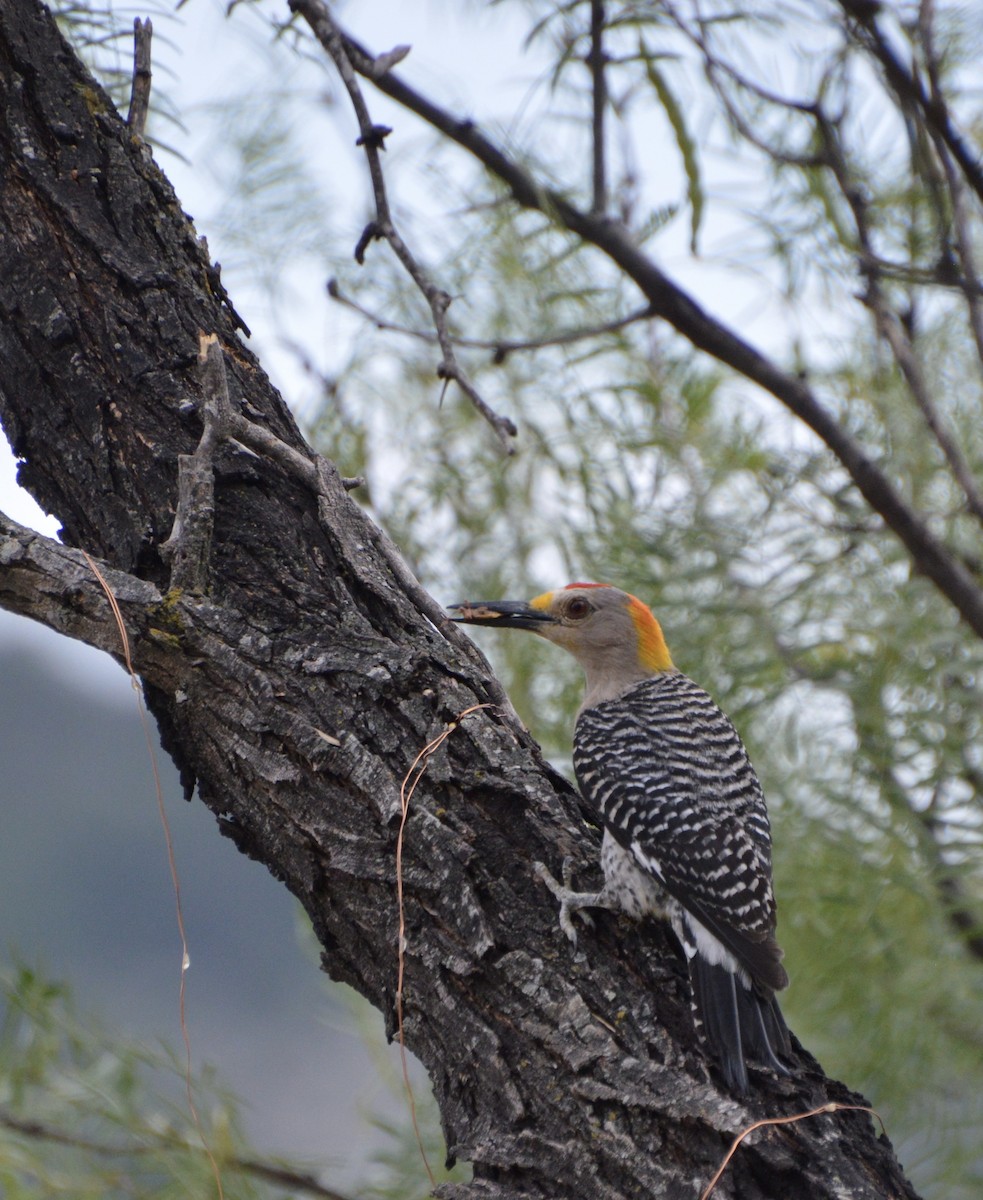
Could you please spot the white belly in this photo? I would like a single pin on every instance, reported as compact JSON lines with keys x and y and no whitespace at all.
{"x":634,"y":890}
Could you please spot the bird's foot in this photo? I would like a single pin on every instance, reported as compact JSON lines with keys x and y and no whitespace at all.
{"x":570,"y":901}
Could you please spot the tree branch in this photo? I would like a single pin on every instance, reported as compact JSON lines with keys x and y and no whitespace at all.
{"x":43,"y":579}
{"x":599,"y":99}
{"x":372,"y":139}
{"x":908,"y":88}
{"x":674,"y":305}
{"x":501,"y":347}
{"x":143,"y":31}
{"x":969,"y":282}
{"x":888,"y":326}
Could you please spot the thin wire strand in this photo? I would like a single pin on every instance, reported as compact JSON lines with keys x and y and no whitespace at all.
{"x":832,"y":1107}
{"x":419,"y":765}
{"x":171,"y":860}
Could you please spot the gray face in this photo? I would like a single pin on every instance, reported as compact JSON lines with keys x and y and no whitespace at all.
{"x":594,"y":624}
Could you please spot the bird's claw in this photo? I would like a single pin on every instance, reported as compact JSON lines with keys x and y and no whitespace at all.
{"x":570,"y":901}
{"x":567,"y":868}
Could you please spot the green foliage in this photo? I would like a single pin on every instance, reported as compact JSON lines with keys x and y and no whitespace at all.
{"x":881,"y":994}
{"x":86,"y":1114}
{"x":684,"y":139}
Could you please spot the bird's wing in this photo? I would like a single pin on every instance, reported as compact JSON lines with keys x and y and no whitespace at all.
{"x":672,"y":781}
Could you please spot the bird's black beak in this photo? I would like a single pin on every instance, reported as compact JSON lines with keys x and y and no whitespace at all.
{"x":507,"y":614}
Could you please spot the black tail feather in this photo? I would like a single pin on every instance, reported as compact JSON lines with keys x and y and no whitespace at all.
{"x":739,"y":1023}
{"x":715,"y":998}
{"x":763,"y":1028}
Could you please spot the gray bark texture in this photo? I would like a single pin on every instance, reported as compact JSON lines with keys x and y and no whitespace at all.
{"x":296,"y":688}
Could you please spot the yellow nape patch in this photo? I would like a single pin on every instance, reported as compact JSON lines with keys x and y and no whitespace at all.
{"x":542,"y":603}
{"x":653,"y":653}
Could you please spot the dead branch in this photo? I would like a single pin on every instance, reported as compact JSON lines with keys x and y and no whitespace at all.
{"x":143,"y":32}
{"x":372,"y":140}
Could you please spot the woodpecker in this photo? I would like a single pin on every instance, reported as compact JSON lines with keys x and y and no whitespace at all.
{"x":686,"y":832}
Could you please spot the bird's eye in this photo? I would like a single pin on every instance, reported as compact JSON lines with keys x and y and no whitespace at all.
{"x":578,"y":609}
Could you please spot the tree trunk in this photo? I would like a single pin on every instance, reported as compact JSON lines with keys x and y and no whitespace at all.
{"x":298,"y":688}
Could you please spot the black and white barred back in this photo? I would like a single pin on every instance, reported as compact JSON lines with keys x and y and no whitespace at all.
{"x":687,"y":836}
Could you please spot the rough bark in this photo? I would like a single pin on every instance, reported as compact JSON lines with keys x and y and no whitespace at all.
{"x":297,"y":691}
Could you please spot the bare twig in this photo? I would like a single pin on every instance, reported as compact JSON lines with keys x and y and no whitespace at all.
{"x":595,"y":60}
{"x":674,"y":305}
{"x":136,"y":119}
{"x":961,"y":222}
{"x":501,"y":348}
{"x":372,"y":139}
{"x":894,"y":334}
{"x":300,"y":466}
{"x":190,"y":541}
{"x":889,"y":327}
{"x":968,"y":278}
{"x":192,"y":521}
{"x":715,"y":67}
